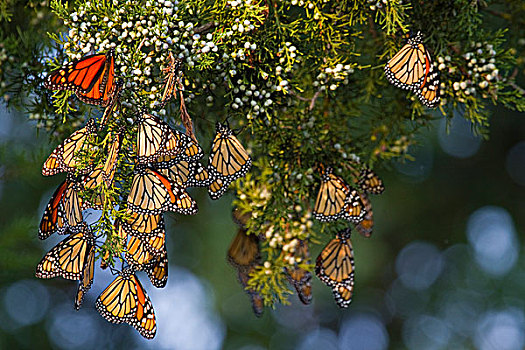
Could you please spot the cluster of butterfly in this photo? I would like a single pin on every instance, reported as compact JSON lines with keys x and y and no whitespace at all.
{"x":336,"y":200}
{"x":166,"y":163}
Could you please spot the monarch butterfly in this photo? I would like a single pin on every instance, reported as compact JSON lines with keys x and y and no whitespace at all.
{"x":369,"y":182}
{"x":152,"y":193}
{"x":125,"y":300}
{"x":412,"y":69}
{"x":63,"y":212}
{"x":299,"y":277}
{"x":91,"y":78}
{"x":256,"y":298}
{"x":63,"y":158}
{"x":228,"y":161}
{"x":157,"y":271}
{"x":354,"y":210}
{"x":103,"y":173}
{"x":142,"y":224}
{"x":155,"y":139}
{"x":365,"y":227}
{"x":154,"y":244}
{"x":331,"y":197}
{"x":241,"y":218}
{"x":243,"y":250}
{"x":112,"y":103}
{"x":87,"y":279}
{"x":336,"y":200}
{"x":335,"y":267}
{"x":187,"y":174}
{"x":172,"y":74}
{"x":68,"y":258}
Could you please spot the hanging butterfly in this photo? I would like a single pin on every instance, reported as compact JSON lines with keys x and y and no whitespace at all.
{"x":157,"y":142}
{"x":64,"y":157}
{"x":241,"y":217}
{"x":157,"y":271}
{"x":354,"y":209}
{"x":185,"y":173}
{"x":125,"y":300}
{"x":412,"y":69}
{"x":299,"y":277}
{"x":243,"y":250}
{"x":112,"y":104}
{"x":103,"y":174}
{"x":331,"y":197}
{"x":63,"y":212}
{"x":244,"y":256}
{"x":152,"y":193}
{"x":154,"y":244}
{"x":335,"y":267}
{"x":68,"y":258}
{"x":172,"y":73}
{"x":336,"y":200}
{"x":143,"y":224}
{"x":228,"y":161}
{"x":88,"y":272}
{"x":256,"y":299}
{"x":369,"y":182}
{"x":366,"y":226}
{"x":91,"y":78}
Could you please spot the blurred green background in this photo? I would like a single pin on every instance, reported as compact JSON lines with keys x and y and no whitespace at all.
{"x":444,"y":268}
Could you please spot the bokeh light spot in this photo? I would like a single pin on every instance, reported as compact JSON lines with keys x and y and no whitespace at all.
{"x":363,"y":331}
{"x":491,"y":234}
{"x":501,"y":330}
{"x":458,"y":141}
{"x":419,"y":265}
{"x":516,"y":163}
{"x":26,"y":302}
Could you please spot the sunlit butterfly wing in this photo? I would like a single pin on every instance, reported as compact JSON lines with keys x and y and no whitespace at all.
{"x":408,"y":68}
{"x":64,"y":157}
{"x":125,"y":300}
{"x":53,"y":218}
{"x":157,"y":271}
{"x":335,"y":267}
{"x":366,"y":226}
{"x":152,"y":193}
{"x":153,"y":243}
{"x":228,"y":161}
{"x":103,"y":87}
{"x":331,"y":197}
{"x":68,"y":258}
{"x":412,"y":69}
{"x":369,"y":182}
{"x":143,"y":224}
{"x":299,"y":277}
{"x":136,"y":253}
{"x":87,"y":278}
{"x":79,"y":76}
{"x":72,"y":204}
{"x":187,"y":174}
